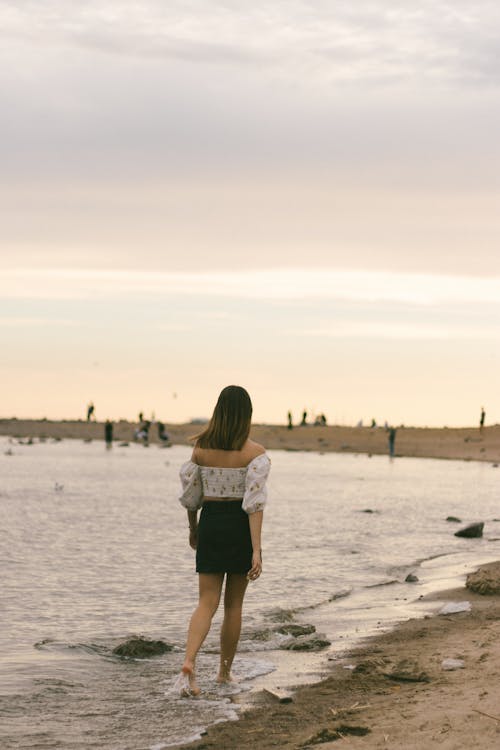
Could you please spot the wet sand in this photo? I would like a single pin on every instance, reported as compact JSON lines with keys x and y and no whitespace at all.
{"x":398,"y":696}
{"x":465,"y":443}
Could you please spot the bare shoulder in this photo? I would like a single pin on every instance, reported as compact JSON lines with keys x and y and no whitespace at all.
{"x":195,"y":456}
{"x":254,"y":449}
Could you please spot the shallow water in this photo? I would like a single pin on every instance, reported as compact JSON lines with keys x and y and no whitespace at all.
{"x":93,"y":547}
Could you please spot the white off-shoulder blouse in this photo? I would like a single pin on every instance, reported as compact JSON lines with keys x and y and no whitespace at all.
{"x":249,"y":483}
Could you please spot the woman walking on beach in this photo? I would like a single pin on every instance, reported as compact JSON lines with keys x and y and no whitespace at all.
{"x":226,"y":479}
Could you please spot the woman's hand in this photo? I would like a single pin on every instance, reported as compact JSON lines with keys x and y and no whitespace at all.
{"x":256,"y":568}
{"x":193,"y":538}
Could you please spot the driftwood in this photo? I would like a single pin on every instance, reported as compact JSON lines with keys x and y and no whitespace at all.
{"x":483,"y":713}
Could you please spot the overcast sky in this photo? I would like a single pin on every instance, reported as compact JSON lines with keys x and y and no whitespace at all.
{"x":304,"y":192}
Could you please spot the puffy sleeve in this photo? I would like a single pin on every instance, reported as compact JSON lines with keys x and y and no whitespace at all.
{"x":192,"y":491}
{"x":255,"y":497}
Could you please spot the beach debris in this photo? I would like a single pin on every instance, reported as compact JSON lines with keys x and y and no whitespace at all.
{"x":454,"y":519}
{"x":485,"y":580}
{"x":296,"y":630}
{"x":306,"y":644}
{"x":346,"y":709}
{"x":407,"y":670}
{"x":473,"y":531}
{"x":449,"y":665}
{"x":372,"y":665}
{"x":336,"y":733}
{"x":369,"y":510}
{"x":483,"y":713}
{"x":279,"y":694}
{"x":453,"y":608}
{"x":58,"y":487}
{"x":123,"y":445}
{"x":137,"y":647}
{"x":356,"y":731}
{"x":411,"y":578}
{"x":9,"y":452}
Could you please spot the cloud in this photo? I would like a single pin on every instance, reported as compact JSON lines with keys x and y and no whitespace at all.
{"x":303,"y":41}
{"x":283,"y":284}
{"x":165,"y":47}
{"x":326,"y":109}
{"x":381,"y":329}
{"x":38,"y":322}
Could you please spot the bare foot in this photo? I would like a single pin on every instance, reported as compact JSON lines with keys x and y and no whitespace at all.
{"x":225,"y":677}
{"x":189,"y":686}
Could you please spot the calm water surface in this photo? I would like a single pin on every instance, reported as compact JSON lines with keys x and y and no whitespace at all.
{"x":93,"y":548}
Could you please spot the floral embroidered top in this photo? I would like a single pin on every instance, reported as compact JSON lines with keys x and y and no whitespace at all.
{"x":248,"y":482}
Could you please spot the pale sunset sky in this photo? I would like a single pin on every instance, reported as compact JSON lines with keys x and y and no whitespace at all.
{"x":298,"y":197}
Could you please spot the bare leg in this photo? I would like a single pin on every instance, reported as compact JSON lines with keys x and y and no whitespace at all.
{"x":210,"y":585}
{"x":236,"y":585}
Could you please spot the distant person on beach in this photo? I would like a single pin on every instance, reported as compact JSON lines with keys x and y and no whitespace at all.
{"x":226,"y":479}
{"x":90,"y":411}
{"x":142,"y":433}
{"x":108,"y":433}
{"x":141,"y":416}
{"x":392,"y":439}
{"x":162,"y":433}
{"x":290,"y":420}
{"x":304,"y":419}
{"x":481,"y":419}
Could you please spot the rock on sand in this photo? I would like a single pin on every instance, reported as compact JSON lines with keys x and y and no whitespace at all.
{"x":486,"y":580}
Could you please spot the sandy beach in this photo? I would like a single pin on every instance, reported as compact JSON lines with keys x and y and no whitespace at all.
{"x":398,"y":696}
{"x":465,"y":443}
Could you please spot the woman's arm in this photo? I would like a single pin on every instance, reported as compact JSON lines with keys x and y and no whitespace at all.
{"x":255,"y":521}
{"x":193,"y":528}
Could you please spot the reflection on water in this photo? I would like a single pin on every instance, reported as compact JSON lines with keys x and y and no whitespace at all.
{"x":93,"y":546}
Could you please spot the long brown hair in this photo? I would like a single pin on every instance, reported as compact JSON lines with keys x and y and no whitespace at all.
{"x":229,"y":427}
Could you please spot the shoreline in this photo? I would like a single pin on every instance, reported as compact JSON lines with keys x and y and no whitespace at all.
{"x":397,"y":695}
{"x":461,"y":443}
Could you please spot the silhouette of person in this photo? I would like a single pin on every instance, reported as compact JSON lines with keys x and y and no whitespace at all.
{"x":141,"y":416}
{"x":145,"y":432}
{"x":392,"y":440}
{"x":90,"y":411}
{"x":481,"y":419}
{"x":108,"y":433}
{"x":290,"y":421}
{"x":322,"y":420}
{"x":162,"y":434}
{"x":304,"y":418}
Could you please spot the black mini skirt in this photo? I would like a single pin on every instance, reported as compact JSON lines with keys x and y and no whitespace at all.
{"x":224,"y":541}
